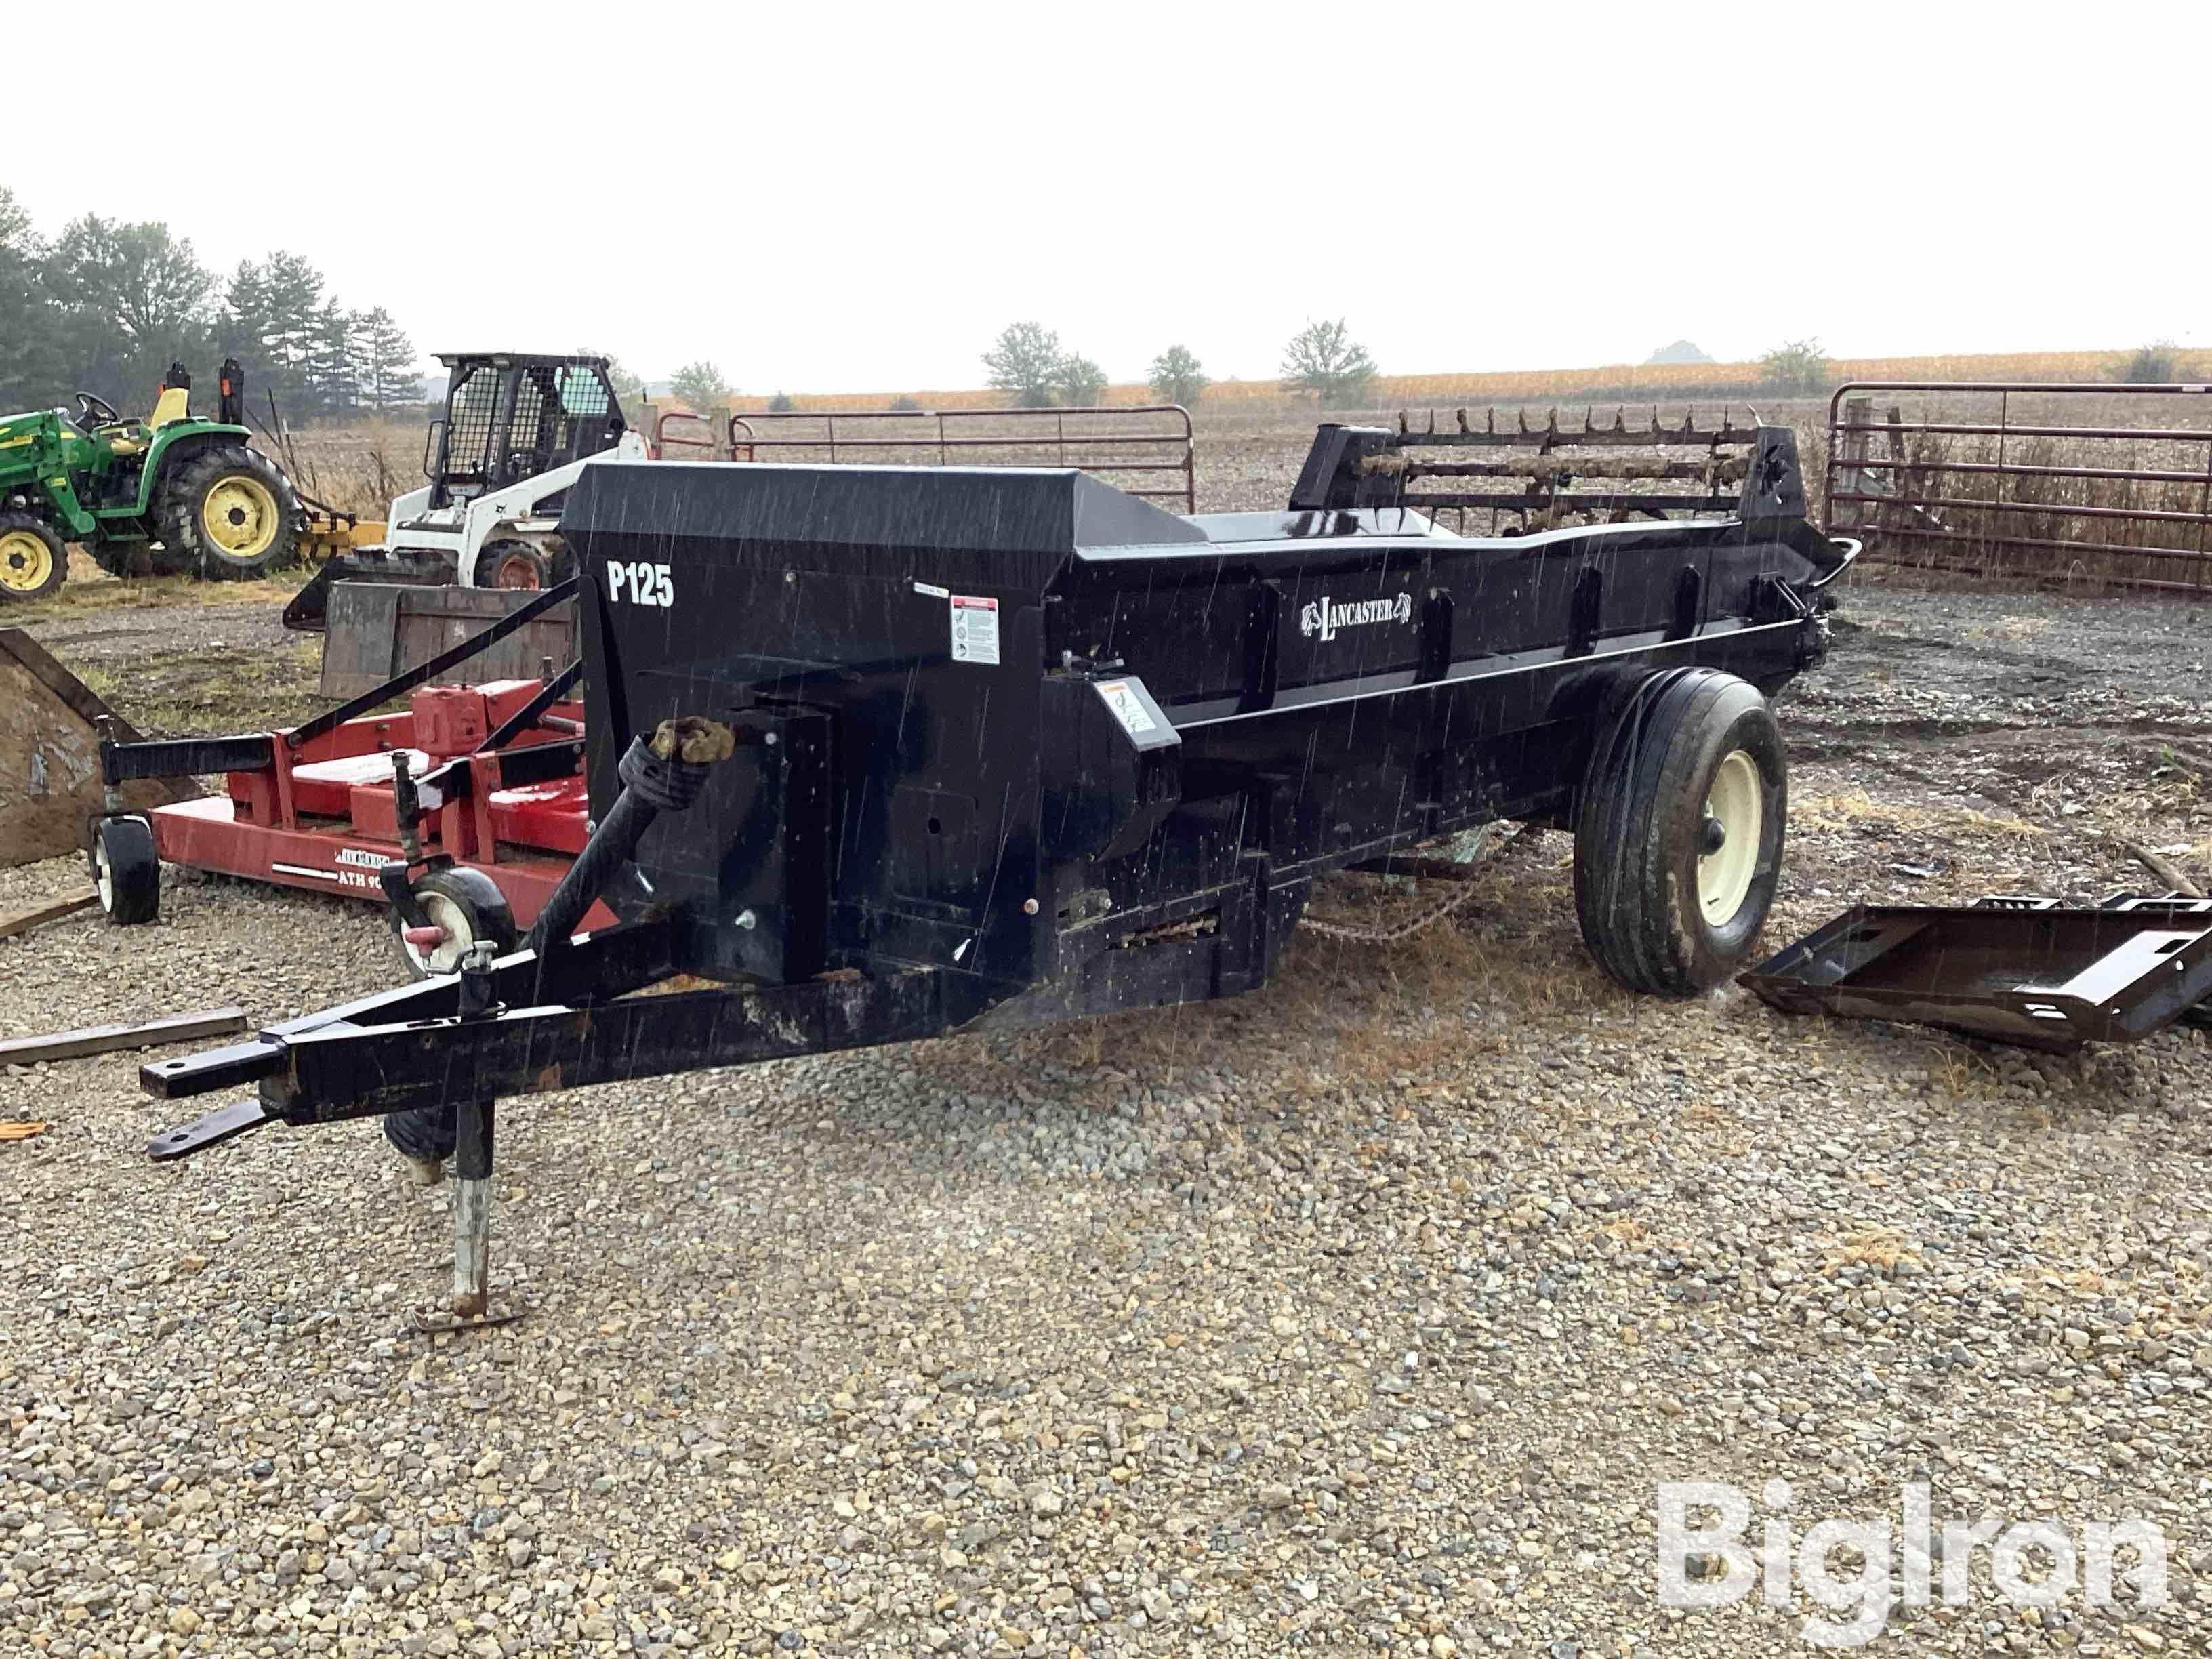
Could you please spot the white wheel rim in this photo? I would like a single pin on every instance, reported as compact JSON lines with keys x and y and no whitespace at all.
{"x":446,"y":956}
{"x":1735,"y":802}
{"x":104,"y":874}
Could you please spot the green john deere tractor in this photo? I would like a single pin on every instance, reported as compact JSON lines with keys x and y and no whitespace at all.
{"x":168,"y":494}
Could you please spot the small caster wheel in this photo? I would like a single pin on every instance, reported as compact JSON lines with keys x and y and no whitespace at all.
{"x":126,"y":870}
{"x":464,"y":907}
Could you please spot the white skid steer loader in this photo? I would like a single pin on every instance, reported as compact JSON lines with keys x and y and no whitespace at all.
{"x":516,"y":433}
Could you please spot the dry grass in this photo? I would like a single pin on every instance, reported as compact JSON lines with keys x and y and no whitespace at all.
{"x":1954,"y":1066}
{"x":1855,"y":807}
{"x":1400,"y":1011}
{"x":355,"y":468}
{"x":211,"y":688}
{"x":1988,"y":537}
{"x":90,"y":590}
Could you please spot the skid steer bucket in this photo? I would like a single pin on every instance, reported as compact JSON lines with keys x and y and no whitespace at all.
{"x":2012,"y":968}
{"x":378,"y":630}
{"x":50,"y":788}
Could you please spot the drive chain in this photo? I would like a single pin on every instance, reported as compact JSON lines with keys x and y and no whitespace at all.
{"x":1486,"y":852}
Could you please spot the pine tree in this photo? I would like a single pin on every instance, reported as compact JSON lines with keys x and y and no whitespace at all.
{"x":108,"y":305}
{"x":384,"y":361}
{"x":274,"y":321}
{"x":333,"y":387}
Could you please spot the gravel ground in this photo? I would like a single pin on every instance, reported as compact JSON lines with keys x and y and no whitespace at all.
{"x":1366,"y":1313}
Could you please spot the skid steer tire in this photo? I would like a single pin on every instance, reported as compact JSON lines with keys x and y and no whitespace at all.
{"x":126,"y":871}
{"x":1678,"y":831}
{"x":228,"y":514}
{"x":33,"y":562}
{"x":469,"y":907}
{"x":513,"y":562}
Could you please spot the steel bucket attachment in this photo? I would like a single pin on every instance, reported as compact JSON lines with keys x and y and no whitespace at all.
{"x":50,"y":783}
{"x":378,"y":630}
{"x":2021,"y":970}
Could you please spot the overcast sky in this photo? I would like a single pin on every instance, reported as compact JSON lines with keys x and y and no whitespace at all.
{"x":849,"y":196}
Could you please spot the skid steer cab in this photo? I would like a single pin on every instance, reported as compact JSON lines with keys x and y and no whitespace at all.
{"x":515,"y":431}
{"x":168,"y":494}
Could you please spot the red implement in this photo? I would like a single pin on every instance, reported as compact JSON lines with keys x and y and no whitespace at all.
{"x":324,"y":816}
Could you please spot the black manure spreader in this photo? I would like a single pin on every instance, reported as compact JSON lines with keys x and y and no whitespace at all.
{"x":886,"y":753}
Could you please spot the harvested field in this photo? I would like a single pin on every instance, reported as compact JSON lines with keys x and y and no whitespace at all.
{"x":1670,"y":382}
{"x":1364,"y":1313}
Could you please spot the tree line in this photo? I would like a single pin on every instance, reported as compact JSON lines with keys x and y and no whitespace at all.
{"x":1027,"y":362}
{"x":107,"y":306}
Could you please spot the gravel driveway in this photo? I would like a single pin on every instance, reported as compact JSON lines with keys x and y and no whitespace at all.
{"x":1366,"y":1313}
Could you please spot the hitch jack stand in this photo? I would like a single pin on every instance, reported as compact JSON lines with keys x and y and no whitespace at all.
{"x":472,"y":1210}
{"x":473,"y":1154}
{"x":653,"y":782}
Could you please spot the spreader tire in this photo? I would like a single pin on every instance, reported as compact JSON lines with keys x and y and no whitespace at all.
{"x":230,"y":514}
{"x":33,"y":561}
{"x":468,"y":907}
{"x":126,"y":870}
{"x":1678,"y":831}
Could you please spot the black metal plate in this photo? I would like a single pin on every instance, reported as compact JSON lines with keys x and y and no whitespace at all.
{"x":2050,"y":979}
{"x":224,"y":1123}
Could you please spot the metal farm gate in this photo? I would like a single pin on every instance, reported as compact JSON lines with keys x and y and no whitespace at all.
{"x":1979,"y":475}
{"x":681,"y":436}
{"x":1149,"y":439}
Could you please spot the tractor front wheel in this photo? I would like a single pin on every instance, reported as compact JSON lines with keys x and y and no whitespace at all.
{"x":230,"y":516}
{"x":33,"y":561}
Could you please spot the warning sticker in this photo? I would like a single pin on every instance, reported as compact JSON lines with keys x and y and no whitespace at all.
{"x":974,"y":629}
{"x":1129,"y":708}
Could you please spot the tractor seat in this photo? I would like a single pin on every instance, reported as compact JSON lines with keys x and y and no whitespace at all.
{"x":134,"y":437}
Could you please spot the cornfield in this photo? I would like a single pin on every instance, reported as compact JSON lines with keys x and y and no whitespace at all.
{"x":1631,"y":381}
{"x":2057,"y":508}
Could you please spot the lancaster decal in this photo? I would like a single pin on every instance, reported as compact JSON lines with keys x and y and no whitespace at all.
{"x":1321,"y":618}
